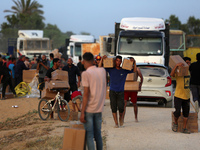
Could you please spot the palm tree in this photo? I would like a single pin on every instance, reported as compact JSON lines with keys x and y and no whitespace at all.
{"x":25,"y":7}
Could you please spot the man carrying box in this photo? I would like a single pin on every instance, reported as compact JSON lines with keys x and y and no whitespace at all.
{"x":56,"y":65}
{"x":181,"y":99}
{"x":94,"y":83}
{"x":133,"y":94}
{"x":117,"y":81}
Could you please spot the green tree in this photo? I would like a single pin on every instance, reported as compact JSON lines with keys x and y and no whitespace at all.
{"x":85,"y":33}
{"x":174,"y":22}
{"x":26,"y":7}
{"x":193,"y":25}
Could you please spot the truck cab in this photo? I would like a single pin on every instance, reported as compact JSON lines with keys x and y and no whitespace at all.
{"x":145,"y":39}
{"x":32,"y":42}
{"x":75,"y":49}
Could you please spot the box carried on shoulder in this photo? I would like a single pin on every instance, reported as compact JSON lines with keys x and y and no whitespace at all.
{"x":127,"y":64}
{"x":109,"y":62}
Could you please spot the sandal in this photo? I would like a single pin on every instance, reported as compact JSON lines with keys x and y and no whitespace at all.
{"x":174,"y":127}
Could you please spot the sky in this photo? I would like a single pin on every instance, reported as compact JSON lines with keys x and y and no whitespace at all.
{"x":97,"y":17}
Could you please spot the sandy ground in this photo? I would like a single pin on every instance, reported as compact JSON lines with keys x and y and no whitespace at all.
{"x":153,"y":131}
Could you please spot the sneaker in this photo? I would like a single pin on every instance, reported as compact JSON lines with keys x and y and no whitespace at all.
{"x":186,"y":131}
{"x":196,"y":105}
{"x":174,"y":127}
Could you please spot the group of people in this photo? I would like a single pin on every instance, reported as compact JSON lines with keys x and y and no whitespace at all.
{"x":182,"y":93}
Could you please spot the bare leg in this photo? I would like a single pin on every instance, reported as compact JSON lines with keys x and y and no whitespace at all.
{"x":135,"y":111}
{"x":115,"y":119}
{"x":121,"y":120}
{"x":184,"y":122}
{"x":123,"y":115}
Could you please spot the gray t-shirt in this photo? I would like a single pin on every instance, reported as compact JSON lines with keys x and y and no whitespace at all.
{"x":43,"y":70}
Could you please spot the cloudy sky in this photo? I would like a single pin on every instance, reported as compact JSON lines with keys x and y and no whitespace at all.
{"x":98,"y":16}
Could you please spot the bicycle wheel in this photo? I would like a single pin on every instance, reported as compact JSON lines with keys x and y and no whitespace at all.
{"x":44,"y":109}
{"x":63,"y":110}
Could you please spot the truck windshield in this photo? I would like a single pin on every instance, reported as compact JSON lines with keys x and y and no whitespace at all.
{"x":77,"y":49}
{"x":36,"y":45}
{"x":140,"y":46}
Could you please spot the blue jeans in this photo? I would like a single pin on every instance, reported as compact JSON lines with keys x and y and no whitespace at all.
{"x":93,"y":130}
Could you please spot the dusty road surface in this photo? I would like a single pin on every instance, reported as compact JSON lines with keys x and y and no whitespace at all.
{"x":152,"y":132}
{"x":21,"y":128}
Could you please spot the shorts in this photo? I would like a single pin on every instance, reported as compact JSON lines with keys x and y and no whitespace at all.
{"x":116,"y":101}
{"x":181,"y":103}
{"x":132,"y":95}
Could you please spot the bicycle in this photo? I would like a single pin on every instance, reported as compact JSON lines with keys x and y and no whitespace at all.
{"x":60,"y":105}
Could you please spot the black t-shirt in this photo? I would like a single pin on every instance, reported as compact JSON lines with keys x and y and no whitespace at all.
{"x":48,"y":74}
{"x":72,"y":73}
{"x":195,"y":73}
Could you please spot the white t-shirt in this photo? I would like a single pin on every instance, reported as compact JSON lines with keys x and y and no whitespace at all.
{"x":95,"y":79}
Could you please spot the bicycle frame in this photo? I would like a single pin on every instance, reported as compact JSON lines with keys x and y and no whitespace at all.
{"x":56,"y":99}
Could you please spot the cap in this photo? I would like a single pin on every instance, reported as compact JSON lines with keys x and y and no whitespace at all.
{"x":98,"y":57}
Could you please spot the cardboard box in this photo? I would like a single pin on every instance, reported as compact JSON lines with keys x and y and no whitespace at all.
{"x":127,"y":64}
{"x":131,"y":86}
{"x":46,"y":94}
{"x":132,"y":76}
{"x":59,"y":75}
{"x":108,"y":63}
{"x":28,"y":75}
{"x":56,"y":53}
{"x":74,"y":139}
{"x":192,"y":124}
{"x":180,"y":71}
{"x":56,"y":84}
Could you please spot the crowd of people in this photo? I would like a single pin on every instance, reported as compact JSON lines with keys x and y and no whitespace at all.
{"x":93,"y":77}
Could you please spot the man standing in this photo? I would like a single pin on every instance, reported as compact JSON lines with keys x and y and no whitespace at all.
{"x":94,"y":83}
{"x":181,"y":99}
{"x":5,"y":78}
{"x":195,"y":82}
{"x":133,"y":94}
{"x":56,"y":65}
{"x":117,"y":81}
{"x":73,"y":71}
{"x":51,"y":55}
{"x":11,"y":67}
{"x":20,"y":66}
{"x":42,"y":66}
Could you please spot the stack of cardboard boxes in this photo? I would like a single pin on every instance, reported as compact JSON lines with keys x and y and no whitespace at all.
{"x":180,"y":71}
{"x":131,"y":83}
{"x":59,"y":80}
{"x":56,"y":53}
{"x":192,"y":123}
{"x":28,"y":75}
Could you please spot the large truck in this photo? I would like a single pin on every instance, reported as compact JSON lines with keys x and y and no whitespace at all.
{"x":75,"y":45}
{"x":146,"y":39}
{"x":32,"y":43}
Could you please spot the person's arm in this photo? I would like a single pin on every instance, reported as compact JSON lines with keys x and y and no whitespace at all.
{"x":48,"y":76}
{"x":84,"y":103}
{"x":141,"y":78}
{"x":1,"y":78}
{"x":101,"y":61}
{"x":46,"y":67}
{"x":174,"y":69}
{"x":79,"y":76}
{"x":134,"y":67}
{"x":79,"y":81}
{"x":38,"y":66}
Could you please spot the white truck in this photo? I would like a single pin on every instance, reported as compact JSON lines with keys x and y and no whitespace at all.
{"x":32,"y":42}
{"x":146,"y":39}
{"x":75,"y":49}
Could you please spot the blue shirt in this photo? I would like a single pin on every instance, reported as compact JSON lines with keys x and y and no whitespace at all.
{"x":11,"y":67}
{"x":117,"y":78}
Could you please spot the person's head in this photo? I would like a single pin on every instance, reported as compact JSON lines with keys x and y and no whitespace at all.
{"x":118,"y":61}
{"x":69,"y":61}
{"x":26,"y":58}
{"x":79,"y":58}
{"x":98,"y":59}
{"x":187,"y":60}
{"x":88,"y":60}
{"x":198,"y":56}
{"x":43,"y":57}
{"x":13,"y":60}
{"x":56,"y":63}
{"x":23,"y":57}
{"x":51,"y":55}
